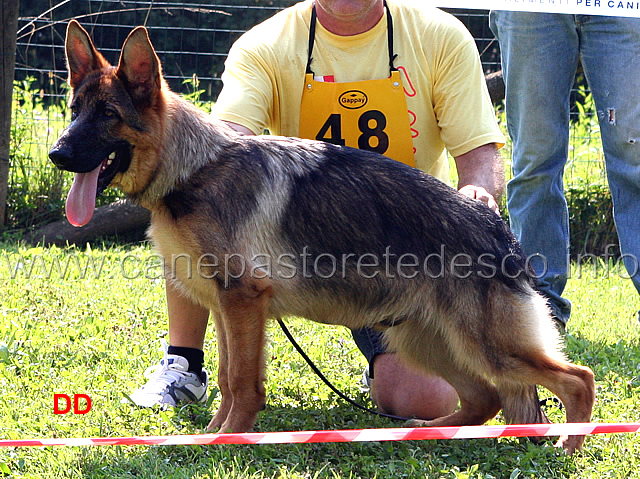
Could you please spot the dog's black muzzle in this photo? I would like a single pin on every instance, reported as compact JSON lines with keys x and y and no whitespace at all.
{"x":79,"y":150}
{"x":88,"y":154}
{"x":61,"y":156}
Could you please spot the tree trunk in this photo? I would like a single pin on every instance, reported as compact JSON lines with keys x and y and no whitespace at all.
{"x":9,"y":16}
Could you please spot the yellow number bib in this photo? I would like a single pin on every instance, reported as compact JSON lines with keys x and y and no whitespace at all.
{"x":369,"y":115}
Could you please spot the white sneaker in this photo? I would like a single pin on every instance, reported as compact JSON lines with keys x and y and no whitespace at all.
{"x":170,"y":383}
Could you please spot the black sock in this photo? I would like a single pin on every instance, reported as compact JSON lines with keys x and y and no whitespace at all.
{"x":194,"y":356}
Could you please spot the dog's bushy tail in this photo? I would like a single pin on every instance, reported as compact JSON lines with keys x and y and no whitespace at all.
{"x":521,"y":405}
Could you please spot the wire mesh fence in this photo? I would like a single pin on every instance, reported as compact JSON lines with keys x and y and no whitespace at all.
{"x":192,"y":38}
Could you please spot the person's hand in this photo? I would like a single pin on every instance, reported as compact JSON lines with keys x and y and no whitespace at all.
{"x":480,"y":194}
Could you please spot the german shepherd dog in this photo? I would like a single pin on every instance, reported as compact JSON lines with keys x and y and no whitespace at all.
{"x":289,"y":227}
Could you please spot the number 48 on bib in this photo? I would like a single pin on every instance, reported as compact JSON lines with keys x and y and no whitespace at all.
{"x":369,"y":115}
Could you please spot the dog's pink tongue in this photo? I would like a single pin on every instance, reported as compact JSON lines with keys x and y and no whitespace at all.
{"x":82,"y":198}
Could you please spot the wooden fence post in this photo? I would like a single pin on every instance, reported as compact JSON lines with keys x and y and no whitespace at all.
{"x":9,"y":17}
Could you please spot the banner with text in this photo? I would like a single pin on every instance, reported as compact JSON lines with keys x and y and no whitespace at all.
{"x":619,"y":8}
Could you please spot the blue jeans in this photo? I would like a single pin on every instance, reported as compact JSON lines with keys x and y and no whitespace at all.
{"x":540,"y":53}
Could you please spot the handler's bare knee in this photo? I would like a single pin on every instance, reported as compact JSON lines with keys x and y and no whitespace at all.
{"x":402,"y":391}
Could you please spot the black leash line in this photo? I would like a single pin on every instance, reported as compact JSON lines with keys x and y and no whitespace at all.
{"x":324,"y":379}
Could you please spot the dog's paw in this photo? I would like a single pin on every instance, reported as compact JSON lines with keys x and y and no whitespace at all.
{"x":224,"y":422}
{"x":570,"y":444}
{"x":418,"y":423}
{"x":217,"y":421}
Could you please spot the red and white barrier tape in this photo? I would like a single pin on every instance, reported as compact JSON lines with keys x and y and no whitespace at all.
{"x":348,"y":435}
{"x":615,"y":8}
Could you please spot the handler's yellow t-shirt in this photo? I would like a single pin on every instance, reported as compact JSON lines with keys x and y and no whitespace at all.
{"x":449,"y":106}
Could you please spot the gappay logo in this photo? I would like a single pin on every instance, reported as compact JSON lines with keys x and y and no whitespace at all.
{"x":353,"y":99}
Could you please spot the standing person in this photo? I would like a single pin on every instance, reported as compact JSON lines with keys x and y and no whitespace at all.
{"x":396,"y":77}
{"x":540,"y":55}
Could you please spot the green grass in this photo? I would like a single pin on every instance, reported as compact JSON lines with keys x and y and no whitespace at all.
{"x":94,"y":330}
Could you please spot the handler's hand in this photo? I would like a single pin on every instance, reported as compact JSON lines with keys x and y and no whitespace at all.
{"x":480,"y":194}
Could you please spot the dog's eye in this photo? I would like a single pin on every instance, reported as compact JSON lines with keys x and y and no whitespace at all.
{"x":110,"y":113}
{"x":74,"y":113}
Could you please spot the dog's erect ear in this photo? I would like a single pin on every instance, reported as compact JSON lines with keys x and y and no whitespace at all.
{"x":82,"y":56}
{"x":139,"y":67}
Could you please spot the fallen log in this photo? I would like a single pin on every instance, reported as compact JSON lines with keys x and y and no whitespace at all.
{"x":121,"y":218}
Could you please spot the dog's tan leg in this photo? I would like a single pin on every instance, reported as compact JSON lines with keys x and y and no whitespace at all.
{"x":243,"y":318}
{"x":223,"y":375}
{"x":575,"y":387}
{"x":530,"y":356}
{"x":573,"y":384}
